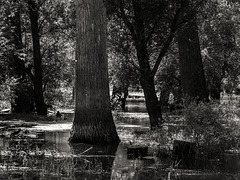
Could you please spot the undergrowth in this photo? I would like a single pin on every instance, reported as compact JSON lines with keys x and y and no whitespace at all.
{"x":212,"y":126}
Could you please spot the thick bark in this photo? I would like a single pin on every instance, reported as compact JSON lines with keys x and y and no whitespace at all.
{"x":93,"y":121}
{"x":191,"y":67}
{"x":38,"y":72}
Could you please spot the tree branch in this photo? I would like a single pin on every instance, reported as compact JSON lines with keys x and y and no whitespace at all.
{"x":173,"y":28}
{"x":162,"y":53}
{"x":123,"y":16}
{"x":168,"y":42}
{"x":53,"y":44}
{"x":134,"y":65}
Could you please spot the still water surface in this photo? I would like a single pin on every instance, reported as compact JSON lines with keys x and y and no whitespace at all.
{"x":124,"y":168}
{"x":121,"y":166}
{"x":106,"y":162}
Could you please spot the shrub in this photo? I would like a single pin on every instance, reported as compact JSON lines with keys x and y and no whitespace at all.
{"x":211,"y":126}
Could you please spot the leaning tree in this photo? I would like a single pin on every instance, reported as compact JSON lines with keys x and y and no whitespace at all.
{"x":151,"y":28}
{"x":93,"y":121}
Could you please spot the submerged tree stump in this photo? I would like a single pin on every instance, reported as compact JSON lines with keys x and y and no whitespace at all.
{"x":135,"y":151}
{"x":184,"y":153}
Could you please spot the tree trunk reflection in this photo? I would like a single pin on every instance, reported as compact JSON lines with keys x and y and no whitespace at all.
{"x":93,"y":161}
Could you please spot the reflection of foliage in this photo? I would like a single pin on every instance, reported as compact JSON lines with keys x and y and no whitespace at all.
{"x":25,"y":157}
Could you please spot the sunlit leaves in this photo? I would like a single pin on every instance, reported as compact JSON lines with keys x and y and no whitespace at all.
{"x":56,"y":38}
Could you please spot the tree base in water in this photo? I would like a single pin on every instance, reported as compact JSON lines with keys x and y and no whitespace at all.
{"x":94,"y":135}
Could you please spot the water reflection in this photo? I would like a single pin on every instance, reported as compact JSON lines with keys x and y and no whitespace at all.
{"x":125,"y":169}
{"x":95,"y":161}
{"x":136,"y":106}
{"x":106,"y":162}
{"x":102,"y":162}
{"x":58,"y":141}
{"x":84,"y":161}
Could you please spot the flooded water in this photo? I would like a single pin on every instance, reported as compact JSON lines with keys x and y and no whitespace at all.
{"x":116,"y":164}
{"x":122,"y":167}
{"x":136,"y":106}
{"x":80,"y":161}
{"x":46,"y":154}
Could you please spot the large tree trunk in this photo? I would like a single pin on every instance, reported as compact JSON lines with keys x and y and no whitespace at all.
{"x":93,"y":121}
{"x":38,"y":72}
{"x":191,"y":67}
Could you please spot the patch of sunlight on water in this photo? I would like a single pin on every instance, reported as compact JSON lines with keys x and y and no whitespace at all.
{"x":136,"y":107}
{"x":53,"y":127}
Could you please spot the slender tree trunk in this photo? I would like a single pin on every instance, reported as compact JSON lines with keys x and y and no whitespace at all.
{"x":93,"y":121}
{"x":124,"y":99}
{"x":151,"y":100}
{"x":22,"y":91}
{"x":18,"y":66}
{"x":38,"y":72}
{"x":146,"y":80}
{"x":191,"y":67}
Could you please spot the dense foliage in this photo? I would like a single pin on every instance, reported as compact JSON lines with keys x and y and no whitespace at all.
{"x":56,"y":34}
{"x":140,"y":46}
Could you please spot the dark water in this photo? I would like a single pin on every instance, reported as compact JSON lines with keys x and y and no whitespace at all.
{"x":120,"y":167}
{"x":80,"y":161}
{"x":84,"y":161}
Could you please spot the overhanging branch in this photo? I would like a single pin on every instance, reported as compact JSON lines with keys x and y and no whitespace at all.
{"x":123,"y":15}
